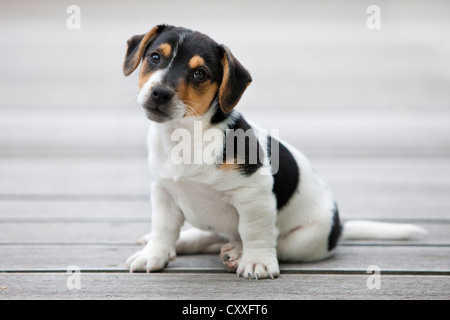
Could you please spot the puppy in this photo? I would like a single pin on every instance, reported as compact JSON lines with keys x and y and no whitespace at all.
{"x":250,"y":196}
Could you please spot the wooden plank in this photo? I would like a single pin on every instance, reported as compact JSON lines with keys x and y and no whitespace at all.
{"x":74,"y":175}
{"x":388,"y":187}
{"x":420,"y":206}
{"x":220,"y":286}
{"x":406,"y":188}
{"x":339,"y":99}
{"x":348,"y":132}
{"x":112,"y":131}
{"x":119,"y":231}
{"x":76,"y":232}
{"x":113,"y":208}
{"x":94,"y":207}
{"x":112,"y":257}
{"x":384,"y":176}
{"x":73,"y":131}
{"x":351,"y":175}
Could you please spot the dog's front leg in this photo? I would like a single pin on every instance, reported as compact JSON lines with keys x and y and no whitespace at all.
{"x":167,"y":220}
{"x":258,"y":232}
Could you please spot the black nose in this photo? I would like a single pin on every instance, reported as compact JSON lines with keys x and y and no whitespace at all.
{"x":161,"y":95}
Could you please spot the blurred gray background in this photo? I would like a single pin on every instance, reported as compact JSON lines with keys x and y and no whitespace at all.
{"x":369,"y":108}
{"x":366,"y":106}
{"x":315,"y":64}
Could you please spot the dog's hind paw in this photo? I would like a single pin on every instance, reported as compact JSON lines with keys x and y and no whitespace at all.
{"x":230,"y":255}
{"x":144,"y":239}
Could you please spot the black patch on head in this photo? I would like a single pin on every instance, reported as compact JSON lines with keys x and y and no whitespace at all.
{"x":251,"y":151}
{"x":335,"y":231}
{"x":193,"y":43}
{"x":287,"y":178}
{"x":169,"y":35}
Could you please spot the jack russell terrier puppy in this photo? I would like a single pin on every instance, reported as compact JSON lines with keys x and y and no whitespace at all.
{"x":252,"y":197}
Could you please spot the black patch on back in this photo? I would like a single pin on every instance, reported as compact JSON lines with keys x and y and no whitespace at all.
{"x":335,"y":231}
{"x":252,"y":150}
{"x":287,"y":178}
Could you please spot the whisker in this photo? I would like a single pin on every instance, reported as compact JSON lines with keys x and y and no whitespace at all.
{"x":191,"y":111}
{"x":192,"y":102}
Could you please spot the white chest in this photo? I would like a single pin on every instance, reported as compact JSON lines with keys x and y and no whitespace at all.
{"x":198,"y":187}
{"x":203,"y":206}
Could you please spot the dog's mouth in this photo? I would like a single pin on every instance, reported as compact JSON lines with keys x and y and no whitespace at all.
{"x":157,"y":115}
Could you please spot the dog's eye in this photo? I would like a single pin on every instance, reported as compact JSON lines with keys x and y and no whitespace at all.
{"x":155,"y":57}
{"x":199,"y":74}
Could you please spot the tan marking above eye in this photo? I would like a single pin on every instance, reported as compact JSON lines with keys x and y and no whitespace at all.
{"x":166,"y":49}
{"x":196,"y":61}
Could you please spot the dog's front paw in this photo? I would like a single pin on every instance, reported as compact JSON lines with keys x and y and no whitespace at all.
{"x":150,"y":259}
{"x":258,"y":266}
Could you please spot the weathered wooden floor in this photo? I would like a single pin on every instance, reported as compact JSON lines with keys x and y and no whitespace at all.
{"x":58,"y":210}
{"x":74,"y":182}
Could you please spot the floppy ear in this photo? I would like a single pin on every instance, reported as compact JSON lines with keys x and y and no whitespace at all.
{"x":136,"y":48}
{"x":234,"y":82}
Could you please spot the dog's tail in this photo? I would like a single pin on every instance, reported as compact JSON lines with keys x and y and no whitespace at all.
{"x":374,"y":230}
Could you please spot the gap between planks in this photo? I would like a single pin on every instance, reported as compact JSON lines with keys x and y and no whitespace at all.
{"x":123,"y":244}
{"x":214,"y":271}
{"x":146,"y":220}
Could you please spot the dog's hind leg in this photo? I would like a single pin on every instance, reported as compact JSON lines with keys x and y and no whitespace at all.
{"x":304,"y":244}
{"x":194,"y":241}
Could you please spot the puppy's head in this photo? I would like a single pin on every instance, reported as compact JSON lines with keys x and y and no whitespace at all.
{"x":183,"y":72}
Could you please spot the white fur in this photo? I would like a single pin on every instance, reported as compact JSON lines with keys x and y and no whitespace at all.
{"x":238,"y":213}
{"x":233,"y":212}
{"x":146,"y":90}
{"x":362,"y":229}
{"x":233,"y":206}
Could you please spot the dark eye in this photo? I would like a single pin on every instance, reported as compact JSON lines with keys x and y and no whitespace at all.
{"x":154,"y":57}
{"x":199,"y":74}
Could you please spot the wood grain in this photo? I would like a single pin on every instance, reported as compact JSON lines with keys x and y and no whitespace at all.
{"x":400,"y":259}
{"x":221,"y":286}
{"x":369,"y":108}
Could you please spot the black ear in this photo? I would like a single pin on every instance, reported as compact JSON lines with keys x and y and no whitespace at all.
{"x":234,"y":82}
{"x":136,"y":48}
